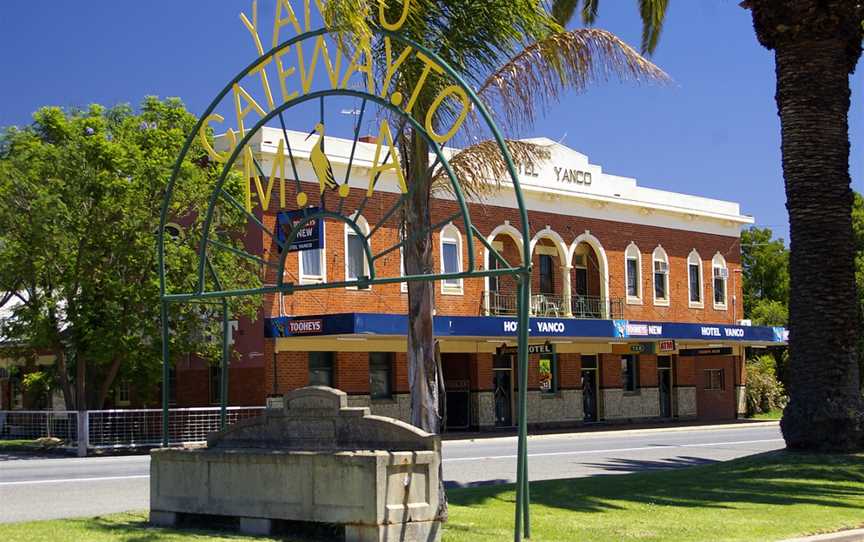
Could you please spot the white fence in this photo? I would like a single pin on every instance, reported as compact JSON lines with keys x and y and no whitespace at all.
{"x":118,"y":428}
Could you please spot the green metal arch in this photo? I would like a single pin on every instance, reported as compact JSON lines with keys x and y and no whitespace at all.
{"x":481,"y":108}
{"x":521,"y":272}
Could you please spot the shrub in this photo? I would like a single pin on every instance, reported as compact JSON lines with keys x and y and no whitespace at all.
{"x":764,"y":392}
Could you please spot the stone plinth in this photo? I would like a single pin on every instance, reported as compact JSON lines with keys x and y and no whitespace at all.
{"x":316,"y":460}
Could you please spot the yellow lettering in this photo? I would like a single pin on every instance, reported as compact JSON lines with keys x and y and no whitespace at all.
{"x":242,"y":112}
{"x":398,"y":24}
{"x":332,"y":73}
{"x":252,"y":27}
{"x":385,"y":135}
{"x":453,"y":89}
{"x":202,"y":136}
{"x":279,"y":22}
{"x":283,"y":73}
{"x":429,"y":65}
{"x":355,"y":66}
{"x":278,"y":167}
{"x":391,"y":66}
{"x":248,"y":163}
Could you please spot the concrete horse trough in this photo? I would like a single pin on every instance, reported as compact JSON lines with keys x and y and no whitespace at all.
{"x":315,"y":460}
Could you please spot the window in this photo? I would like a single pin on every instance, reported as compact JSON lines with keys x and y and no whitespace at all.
{"x":721,"y":275}
{"x":630,"y":373}
{"x":661,"y":277}
{"x":312,"y":262}
{"x":356,"y":265}
{"x":580,"y":272}
{"x":547,"y":370}
{"x":494,"y":283}
{"x":714,"y":380}
{"x":694,"y":279}
{"x":547,"y":275}
{"x":633,"y":265}
{"x":321,"y":369}
{"x":214,"y":384}
{"x":451,"y":259}
{"x":123,"y":393}
{"x":380,"y":375}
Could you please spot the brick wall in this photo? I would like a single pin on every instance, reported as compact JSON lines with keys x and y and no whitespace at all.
{"x":614,"y":236}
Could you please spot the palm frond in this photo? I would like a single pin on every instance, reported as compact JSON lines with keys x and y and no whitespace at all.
{"x":563,"y":10}
{"x":564,"y":61}
{"x":653,"y":13}
{"x":481,"y":168}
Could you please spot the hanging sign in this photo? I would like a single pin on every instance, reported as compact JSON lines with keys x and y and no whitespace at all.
{"x":545,"y":348}
{"x":309,"y":237}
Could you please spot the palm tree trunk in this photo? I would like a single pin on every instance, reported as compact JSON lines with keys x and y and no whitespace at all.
{"x":422,"y":364}
{"x":825,"y":409}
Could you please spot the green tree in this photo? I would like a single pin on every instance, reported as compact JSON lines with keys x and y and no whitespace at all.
{"x":765,"y":264}
{"x":816,"y":44}
{"x":81,"y":193}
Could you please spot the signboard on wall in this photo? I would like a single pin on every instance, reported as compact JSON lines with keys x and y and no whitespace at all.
{"x":666,"y":346}
{"x":309,"y":237}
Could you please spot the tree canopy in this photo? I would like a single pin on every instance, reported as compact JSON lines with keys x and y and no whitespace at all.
{"x":81,"y":192}
{"x":765,"y":263}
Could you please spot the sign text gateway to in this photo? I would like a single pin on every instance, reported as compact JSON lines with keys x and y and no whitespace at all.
{"x":288,"y":73}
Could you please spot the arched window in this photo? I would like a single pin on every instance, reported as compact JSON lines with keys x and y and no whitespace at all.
{"x":694,"y":279}
{"x":312,"y":263}
{"x":356,"y":265}
{"x":721,"y":275}
{"x":633,"y":273}
{"x":661,"y":276}
{"x":451,"y":259}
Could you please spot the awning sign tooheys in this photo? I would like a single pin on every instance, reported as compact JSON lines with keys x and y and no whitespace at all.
{"x":309,"y":237}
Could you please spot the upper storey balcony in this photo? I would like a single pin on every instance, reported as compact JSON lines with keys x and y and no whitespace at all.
{"x":567,"y":282}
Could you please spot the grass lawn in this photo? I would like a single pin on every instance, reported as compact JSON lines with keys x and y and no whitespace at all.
{"x":19,"y":444}
{"x":775,"y":414}
{"x":765,"y":497}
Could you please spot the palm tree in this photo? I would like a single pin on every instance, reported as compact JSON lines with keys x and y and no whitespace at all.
{"x":816,"y":44}
{"x":516,"y":55}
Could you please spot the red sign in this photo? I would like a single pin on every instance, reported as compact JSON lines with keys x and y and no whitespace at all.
{"x":666,"y":346}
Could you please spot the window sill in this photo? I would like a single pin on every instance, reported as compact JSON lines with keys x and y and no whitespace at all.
{"x":661,"y":302}
{"x":694,"y":305}
{"x":452,"y":290}
{"x":311,"y":280}
{"x":634,"y":300}
{"x":719,"y":307}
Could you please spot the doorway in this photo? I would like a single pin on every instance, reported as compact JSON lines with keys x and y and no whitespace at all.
{"x":589,"y":389}
{"x":664,"y":383}
{"x":502,"y":383}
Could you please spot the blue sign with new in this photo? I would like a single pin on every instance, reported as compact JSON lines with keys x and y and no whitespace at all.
{"x":309,"y":237}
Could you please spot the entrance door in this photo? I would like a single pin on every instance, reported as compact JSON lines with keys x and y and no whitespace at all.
{"x":664,"y":376}
{"x":590,"y":408}
{"x":589,"y":394}
{"x":503,"y":383}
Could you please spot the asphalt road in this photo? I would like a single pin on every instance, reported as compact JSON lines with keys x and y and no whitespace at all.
{"x":33,"y":489}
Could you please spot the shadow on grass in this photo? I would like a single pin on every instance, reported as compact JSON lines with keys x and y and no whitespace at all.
{"x":135,"y":528}
{"x":773,"y":478}
{"x":637,"y":465}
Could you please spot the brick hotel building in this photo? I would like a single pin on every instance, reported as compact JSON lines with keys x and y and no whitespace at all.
{"x":636,"y":303}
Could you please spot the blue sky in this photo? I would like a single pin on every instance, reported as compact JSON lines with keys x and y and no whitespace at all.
{"x":714,"y":132}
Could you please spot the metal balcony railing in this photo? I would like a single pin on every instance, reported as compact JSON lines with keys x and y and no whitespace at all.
{"x":581,"y":306}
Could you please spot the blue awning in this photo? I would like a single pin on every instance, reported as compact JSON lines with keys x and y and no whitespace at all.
{"x":505,"y":327}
